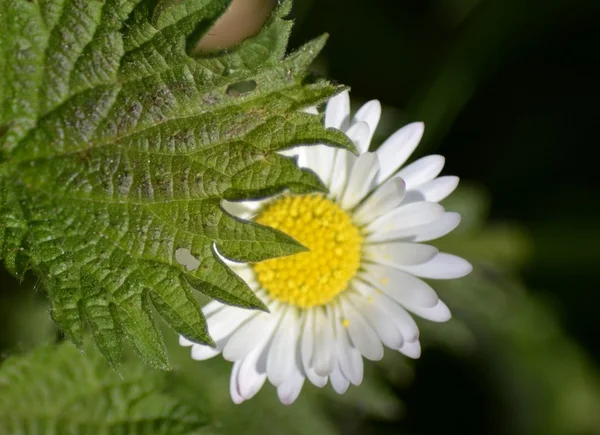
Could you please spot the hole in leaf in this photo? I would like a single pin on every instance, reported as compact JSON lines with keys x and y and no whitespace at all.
{"x":241,"y":20}
{"x":240,"y":88}
{"x":186,"y":259}
{"x":191,"y":42}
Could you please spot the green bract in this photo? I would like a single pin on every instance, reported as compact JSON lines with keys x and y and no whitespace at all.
{"x":117,"y":146}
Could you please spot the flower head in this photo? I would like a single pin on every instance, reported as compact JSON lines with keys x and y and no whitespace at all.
{"x":354,"y":290}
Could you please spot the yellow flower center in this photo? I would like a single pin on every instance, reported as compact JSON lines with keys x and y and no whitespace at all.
{"x":317,"y":276}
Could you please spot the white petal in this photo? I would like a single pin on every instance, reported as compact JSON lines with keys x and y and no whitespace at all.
{"x":442,"y":266}
{"x":398,"y":148}
{"x":421,"y":171}
{"x":249,"y":335}
{"x":318,"y":381}
{"x":224,"y":322}
{"x":343,"y":159}
{"x":439,"y":313}
{"x":434,"y":190}
{"x":380,"y":321}
{"x":323,"y":354}
{"x":185,"y":342}
{"x":399,"y":253}
{"x":353,"y":368}
{"x":234,"y":390}
{"x":299,"y":152}
{"x":402,"y":319}
{"x":411,"y":350}
{"x":289,"y":391}
{"x":319,"y":158}
{"x":405,"y":216}
{"x":370,"y":113}
{"x":423,"y":233}
{"x":363,"y":337}
{"x":307,"y":341}
{"x":349,"y":358}
{"x":337,"y":112}
{"x":339,"y":382}
{"x":261,"y":361}
{"x":282,"y":354}
{"x":250,"y":381}
{"x":247,"y":274}
{"x":339,"y":177}
{"x":305,"y":157}
{"x":292,"y":152}
{"x":325,"y":163}
{"x":406,"y":323}
{"x":360,"y":180}
{"x":201,"y":352}
{"x":401,"y":286}
{"x":360,"y":134}
{"x":212,"y":307}
{"x":383,"y":200}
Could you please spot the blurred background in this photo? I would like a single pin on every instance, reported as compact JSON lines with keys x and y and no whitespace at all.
{"x":508,"y":90}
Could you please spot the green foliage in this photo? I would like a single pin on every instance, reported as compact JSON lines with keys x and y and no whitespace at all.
{"x":117,"y":146}
{"x":77,"y":393}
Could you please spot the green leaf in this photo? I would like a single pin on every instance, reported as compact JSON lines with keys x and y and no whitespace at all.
{"x":58,"y":389}
{"x":118,"y":146}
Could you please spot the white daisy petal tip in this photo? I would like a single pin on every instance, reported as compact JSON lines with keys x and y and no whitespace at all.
{"x":234,"y":391}
{"x":337,"y":111}
{"x":339,"y":382}
{"x":250,"y":381}
{"x":422,"y":171}
{"x":201,"y":352}
{"x":411,"y":349}
{"x":316,"y":380}
{"x":237,"y":399}
{"x":419,"y":128}
{"x":289,"y":391}
{"x":435,"y":190}
{"x":185,"y":342}
{"x":442,"y":266}
{"x":394,"y":152}
{"x":360,"y":134}
{"x":369,"y":113}
{"x":440,"y":313}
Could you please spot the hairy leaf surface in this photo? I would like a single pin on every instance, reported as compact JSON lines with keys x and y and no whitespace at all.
{"x":117,"y":147}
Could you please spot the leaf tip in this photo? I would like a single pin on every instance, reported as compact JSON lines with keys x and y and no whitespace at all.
{"x":260,"y":305}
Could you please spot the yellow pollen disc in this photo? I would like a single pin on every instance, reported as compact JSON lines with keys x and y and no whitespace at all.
{"x":317,"y":276}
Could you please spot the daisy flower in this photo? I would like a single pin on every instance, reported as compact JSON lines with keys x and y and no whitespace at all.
{"x":356,"y":288}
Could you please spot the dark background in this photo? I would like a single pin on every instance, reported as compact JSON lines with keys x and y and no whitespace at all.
{"x":509,"y":92}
